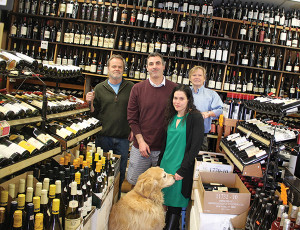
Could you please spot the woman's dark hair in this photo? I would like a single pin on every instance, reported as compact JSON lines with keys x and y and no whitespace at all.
{"x":170,"y":111}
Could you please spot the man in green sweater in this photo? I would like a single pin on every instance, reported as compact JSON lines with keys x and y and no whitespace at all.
{"x":109,"y":104}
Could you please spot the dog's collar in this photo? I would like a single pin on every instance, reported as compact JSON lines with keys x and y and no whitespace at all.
{"x":142,"y":195}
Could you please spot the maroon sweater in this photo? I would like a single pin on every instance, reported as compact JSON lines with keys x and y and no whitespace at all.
{"x":145,"y":112}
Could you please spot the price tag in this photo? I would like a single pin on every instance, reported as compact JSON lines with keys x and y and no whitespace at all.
{"x":44,"y":45}
{"x":4,"y":128}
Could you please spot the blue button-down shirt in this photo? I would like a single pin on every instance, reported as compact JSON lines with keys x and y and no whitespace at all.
{"x":208,"y":100}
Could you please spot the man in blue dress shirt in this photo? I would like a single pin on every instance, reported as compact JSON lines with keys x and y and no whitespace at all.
{"x":207,"y":101}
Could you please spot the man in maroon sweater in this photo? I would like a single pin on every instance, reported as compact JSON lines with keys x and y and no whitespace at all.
{"x":145,"y":114}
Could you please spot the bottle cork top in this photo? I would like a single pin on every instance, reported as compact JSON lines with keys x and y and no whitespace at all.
{"x":55,"y":206}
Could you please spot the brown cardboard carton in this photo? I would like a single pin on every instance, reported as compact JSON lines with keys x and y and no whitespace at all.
{"x":212,"y":167}
{"x":220,"y":202}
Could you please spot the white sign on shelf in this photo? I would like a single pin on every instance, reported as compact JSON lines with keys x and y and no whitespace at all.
{"x":44,"y":44}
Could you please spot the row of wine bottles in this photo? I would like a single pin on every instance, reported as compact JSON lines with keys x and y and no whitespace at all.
{"x":18,"y":62}
{"x":268,"y":58}
{"x":278,"y":105}
{"x":271,"y":36}
{"x":108,"y":13}
{"x":72,"y":184}
{"x":29,"y":104}
{"x":31,"y":140}
{"x":262,"y":214}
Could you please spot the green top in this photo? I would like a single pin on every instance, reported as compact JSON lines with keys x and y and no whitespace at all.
{"x":171,"y":162}
{"x":111,"y":108}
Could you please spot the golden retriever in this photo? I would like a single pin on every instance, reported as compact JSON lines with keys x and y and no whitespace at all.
{"x":142,"y":207}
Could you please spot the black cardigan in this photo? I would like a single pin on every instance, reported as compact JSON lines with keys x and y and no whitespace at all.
{"x":194,"y":140}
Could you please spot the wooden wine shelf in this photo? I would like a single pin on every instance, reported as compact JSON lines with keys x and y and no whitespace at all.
{"x":28,"y":162}
{"x":101,"y":75}
{"x":254,"y":135}
{"x":24,"y":121}
{"x":67,"y":144}
{"x":67,"y":113}
{"x":247,"y":170}
{"x":53,"y":84}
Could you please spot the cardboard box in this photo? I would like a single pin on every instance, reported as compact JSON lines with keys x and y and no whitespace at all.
{"x":200,"y":221}
{"x":201,"y":166}
{"x":220,"y":202}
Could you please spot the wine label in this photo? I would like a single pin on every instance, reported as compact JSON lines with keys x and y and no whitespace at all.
{"x":146,"y":18}
{"x":138,"y":46}
{"x":82,"y":39}
{"x":186,"y":81}
{"x":211,"y":84}
{"x":27,"y":146}
{"x":115,"y":16}
{"x":272,"y":61}
{"x":193,"y":52}
{"x":71,"y":37}
{"x":226,"y":86}
{"x":62,"y":8}
{"x":165,"y":23}
{"x":158,"y":22}
{"x":244,"y":61}
{"x":206,"y":53}
{"x":69,"y":8}
{"x":179,"y":47}
{"x":105,"y":43}
{"x":144,"y":47}
{"x":157,"y":45}
{"x":292,"y":90}
{"x":179,"y":79}
{"x":219,"y":55}
{"x":111,"y":43}
{"x":288,"y":68}
{"x":170,"y":23}
{"x":142,"y":76}
{"x":152,"y":20}
{"x":94,"y":41}
{"x":23,"y":30}
{"x":101,"y":42}
{"x":243,"y":31}
{"x":72,"y":224}
{"x":13,"y":30}
{"x":73,"y":204}
{"x":35,"y":143}
{"x":182,"y":24}
{"x":151,"y":48}
{"x":140,"y":17}
{"x":88,"y":40}
{"x":218,"y":85}
{"x":296,"y":68}
{"x":213,"y":54}
{"x":164,"y":48}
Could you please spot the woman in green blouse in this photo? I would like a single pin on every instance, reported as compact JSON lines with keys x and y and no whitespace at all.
{"x":183,"y":140}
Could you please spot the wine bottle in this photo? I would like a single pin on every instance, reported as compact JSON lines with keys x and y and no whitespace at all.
{"x":29,"y":221}
{"x":38,"y":222}
{"x":72,"y":219}
{"x":18,"y":219}
{"x":54,"y":218}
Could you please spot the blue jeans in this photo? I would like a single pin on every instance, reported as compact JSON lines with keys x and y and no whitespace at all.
{"x":119,"y":146}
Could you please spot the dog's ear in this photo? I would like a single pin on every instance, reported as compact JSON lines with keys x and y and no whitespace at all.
{"x":146,"y":186}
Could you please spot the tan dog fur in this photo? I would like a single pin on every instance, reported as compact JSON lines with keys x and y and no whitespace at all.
{"x":142,"y":207}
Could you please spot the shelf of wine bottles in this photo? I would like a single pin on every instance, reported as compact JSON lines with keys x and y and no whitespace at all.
{"x":238,"y":162}
{"x":279,"y":107}
{"x":255,"y":37}
{"x":15,"y":167}
{"x":53,"y":187}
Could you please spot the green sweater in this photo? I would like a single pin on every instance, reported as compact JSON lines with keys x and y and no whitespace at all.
{"x":111,"y":109}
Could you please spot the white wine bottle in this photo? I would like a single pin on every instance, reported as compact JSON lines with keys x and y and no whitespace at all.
{"x":72,"y":219}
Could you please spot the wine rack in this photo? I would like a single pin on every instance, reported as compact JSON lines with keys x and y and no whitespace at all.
{"x":226,"y":30}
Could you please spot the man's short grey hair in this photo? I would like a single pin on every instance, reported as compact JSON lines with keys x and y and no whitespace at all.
{"x":117,"y":56}
{"x":155,"y":54}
